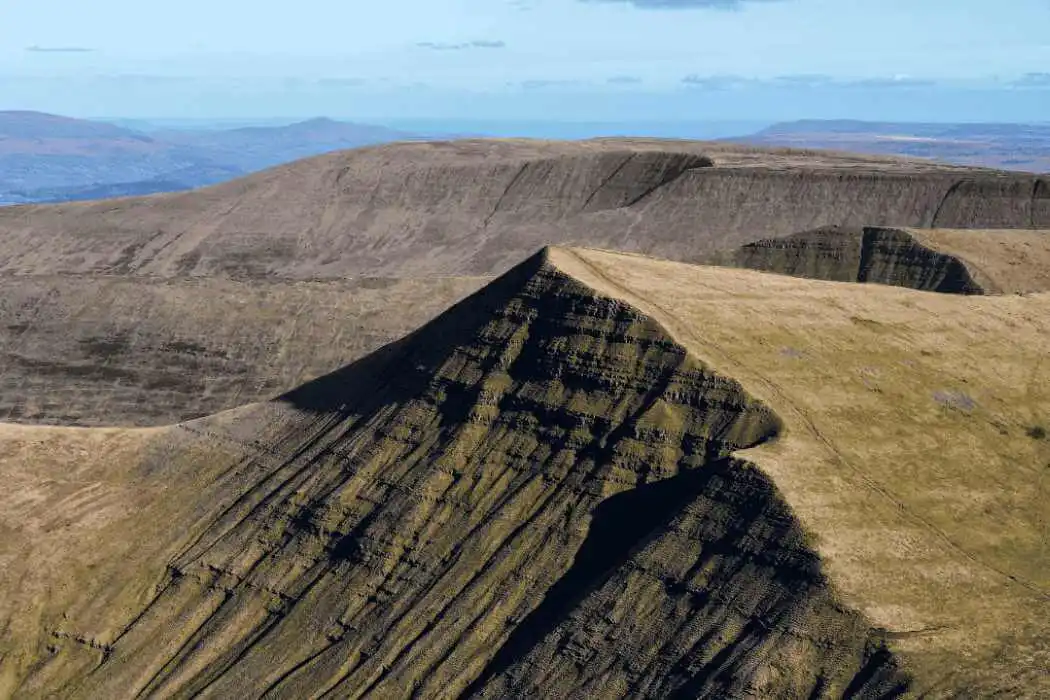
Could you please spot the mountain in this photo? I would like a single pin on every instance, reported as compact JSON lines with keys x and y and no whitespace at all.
{"x":326,"y":259}
{"x":1012,"y":146}
{"x":47,"y":151}
{"x":473,"y":207}
{"x":23,"y":129}
{"x":257,"y":147}
{"x":601,"y":475}
{"x":45,"y":157}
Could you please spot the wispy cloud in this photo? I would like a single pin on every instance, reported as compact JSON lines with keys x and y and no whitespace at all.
{"x":341,"y":82}
{"x":717,"y":82}
{"x":466,"y":45}
{"x":58,"y":49}
{"x":624,"y":80}
{"x":806,"y":81}
{"x":687,"y":4}
{"x":1036,"y":80}
{"x":538,"y":84}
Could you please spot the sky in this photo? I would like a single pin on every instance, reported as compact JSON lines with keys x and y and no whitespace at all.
{"x":530,"y":59}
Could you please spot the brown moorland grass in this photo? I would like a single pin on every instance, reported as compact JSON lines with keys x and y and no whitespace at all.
{"x":136,"y":351}
{"x":907,"y":451}
{"x":532,"y":494}
{"x":478,"y":207}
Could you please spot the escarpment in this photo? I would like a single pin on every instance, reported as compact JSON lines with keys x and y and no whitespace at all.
{"x":478,"y":207}
{"x":532,"y":492}
{"x":938,"y":260}
{"x":660,"y":603}
{"x":118,"y":312}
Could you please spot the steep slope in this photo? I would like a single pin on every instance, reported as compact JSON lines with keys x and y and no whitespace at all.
{"x":544,"y":489}
{"x":1000,"y":262}
{"x":476,"y":207}
{"x":939,"y":260}
{"x":913,"y":451}
{"x":86,"y":350}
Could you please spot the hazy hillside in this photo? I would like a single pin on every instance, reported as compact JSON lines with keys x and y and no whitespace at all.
{"x":45,"y":157}
{"x":257,"y":147}
{"x":40,"y":151}
{"x":1011,"y":146}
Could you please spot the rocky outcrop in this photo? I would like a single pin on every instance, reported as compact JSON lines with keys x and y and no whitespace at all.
{"x":477,"y":207}
{"x":889,"y":256}
{"x":100,"y":324}
{"x":870,"y":254}
{"x":532,"y":494}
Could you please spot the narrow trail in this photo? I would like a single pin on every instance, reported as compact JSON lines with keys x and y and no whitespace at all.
{"x":678,"y":330}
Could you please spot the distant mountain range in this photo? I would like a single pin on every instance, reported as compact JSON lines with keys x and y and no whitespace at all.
{"x":48,"y":158}
{"x":1008,"y":146}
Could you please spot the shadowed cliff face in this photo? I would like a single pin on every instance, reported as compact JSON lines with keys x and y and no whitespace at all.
{"x":697,"y":586}
{"x":477,"y":207}
{"x":871,"y":254}
{"x":529,"y":493}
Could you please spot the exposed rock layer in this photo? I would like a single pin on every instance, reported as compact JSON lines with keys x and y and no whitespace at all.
{"x":91,"y":348}
{"x":533,"y":492}
{"x":952,"y":262}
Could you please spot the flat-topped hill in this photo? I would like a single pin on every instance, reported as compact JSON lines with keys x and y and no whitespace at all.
{"x":600,"y":474}
{"x":476,"y":207}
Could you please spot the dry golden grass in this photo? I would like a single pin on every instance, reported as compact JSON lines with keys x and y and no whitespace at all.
{"x":910,"y":450}
{"x":1003,"y":261}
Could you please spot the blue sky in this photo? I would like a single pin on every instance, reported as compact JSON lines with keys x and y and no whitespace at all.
{"x":594,"y":58}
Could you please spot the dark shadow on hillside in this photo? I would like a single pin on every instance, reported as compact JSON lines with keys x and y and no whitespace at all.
{"x":730,"y":503}
{"x":619,"y":526}
{"x":397,"y":371}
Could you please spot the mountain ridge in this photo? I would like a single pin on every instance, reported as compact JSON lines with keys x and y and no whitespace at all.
{"x":478,"y":206}
{"x":532,"y":416}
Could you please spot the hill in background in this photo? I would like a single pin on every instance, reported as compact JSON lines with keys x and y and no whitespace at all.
{"x":476,"y":206}
{"x":44,"y":157}
{"x":1010,"y":146}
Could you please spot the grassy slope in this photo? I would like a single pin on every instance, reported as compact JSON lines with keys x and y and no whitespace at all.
{"x":134,"y":351}
{"x":906,"y":451}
